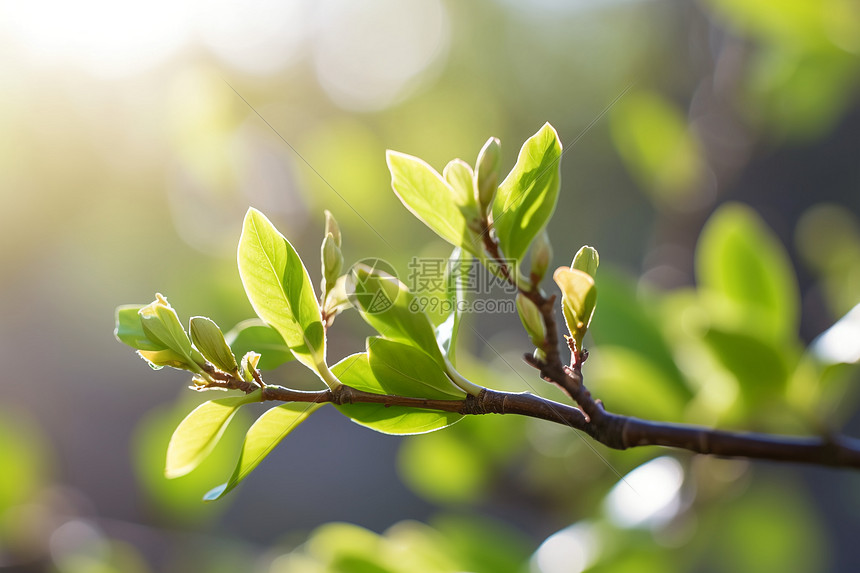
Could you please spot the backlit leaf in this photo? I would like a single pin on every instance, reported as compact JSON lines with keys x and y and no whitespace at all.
{"x":526,"y":198}
{"x":430,"y":198}
{"x":279,"y":288}
{"x":262,"y":437}
{"x":355,"y":371}
{"x":257,"y":336}
{"x":197,"y":434}
{"x":746,"y":272}
{"x":209,"y":340}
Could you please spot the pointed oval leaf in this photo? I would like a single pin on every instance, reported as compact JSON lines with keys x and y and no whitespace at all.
{"x":456,"y":282}
{"x":279,"y":288}
{"x":158,"y":359}
{"x":742,"y":263}
{"x":404,"y":370}
{"x":209,"y":340}
{"x":262,"y":437}
{"x":162,"y":326}
{"x":399,"y":318}
{"x":578,"y":299}
{"x":526,"y":198}
{"x":129,"y":329}
{"x":460,"y":177}
{"x":197,"y":434}
{"x":355,"y":371}
{"x":430,"y":198}
{"x":257,"y":336}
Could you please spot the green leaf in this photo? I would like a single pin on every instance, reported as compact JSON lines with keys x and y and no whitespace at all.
{"x":262,"y":437}
{"x":355,"y":371}
{"x":197,"y":434}
{"x":460,"y":177}
{"x":586,"y":260}
{"x":578,"y":299}
{"x":158,"y":359}
{"x":635,"y":386}
{"x":387,"y":305}
{"x":760,"y":368}
{"x":129,"y":329}
{"x":209,"y":340}
{"x":162,"y":326}
{"x":279,"y":288}
{"x":404,"y":370}
{"x":257,"y":336}
{"x":526,"y":198}
{"x":629,"y":318}
{"x":430,"y":198}
{"x":456,"y":281}
{"x":658,"y":147}
{"x":747,"y":273}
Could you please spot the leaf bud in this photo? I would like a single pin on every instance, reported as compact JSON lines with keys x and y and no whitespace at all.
{"x":532,"y":320}
{"x":541,"y":256}
{"x":332,"y":228}
{"x":487,"y":173}
{"x":332,"y":259}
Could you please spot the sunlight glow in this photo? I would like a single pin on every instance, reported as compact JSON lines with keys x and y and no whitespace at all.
{"x":649,"y":496}
{"x":107,"y":38}
{"x":571,"y":550}
{"x":840,"y":342}
{"x":367,"y":56}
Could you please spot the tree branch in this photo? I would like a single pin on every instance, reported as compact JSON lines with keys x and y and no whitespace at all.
{"x":612,"y":430}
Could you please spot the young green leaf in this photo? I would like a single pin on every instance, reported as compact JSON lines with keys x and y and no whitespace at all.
{"x":209,"y":340}
{"x":578,"y":299}
{"x":197,"y":435}
{"x":279,"y":288}
{"x":404,"y":370}
{"x":387,"y":305}
{"x":355,"y":371}
{"x":460,"y":177}
{"x":430,"y":198}
{"x":526,"y":198}
{"x":586,"y":260}
{"x":262,"y":437}
{"x":158,"y":359}
{"x":162,"y":326}
{"x":129,"y":329}
{"x":741,"y":262}
{"x":255,"y":335}
{"x":456,"y":279}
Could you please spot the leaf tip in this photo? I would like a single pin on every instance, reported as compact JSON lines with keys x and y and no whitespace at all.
{"x":215,"y":493}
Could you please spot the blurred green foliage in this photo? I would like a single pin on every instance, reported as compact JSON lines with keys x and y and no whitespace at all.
{"x":140,"y":180}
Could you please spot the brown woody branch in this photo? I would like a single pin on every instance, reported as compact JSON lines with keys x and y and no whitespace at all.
{"x":612,"y":430}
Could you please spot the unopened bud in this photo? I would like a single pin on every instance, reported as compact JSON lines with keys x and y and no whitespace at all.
{"x":541,"y":256}
{"x":586,"y":260}
{"x":532,"y":320}
{"x":487,"y":173}
{"x":249,"y":365}
{"x":332,"y":228}
{"x":332,"y":259}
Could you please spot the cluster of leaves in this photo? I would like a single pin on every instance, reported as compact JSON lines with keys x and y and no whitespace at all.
{"x":411,"y":356}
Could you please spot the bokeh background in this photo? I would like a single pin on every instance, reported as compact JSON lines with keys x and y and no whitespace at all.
{"x":135,"y":136}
